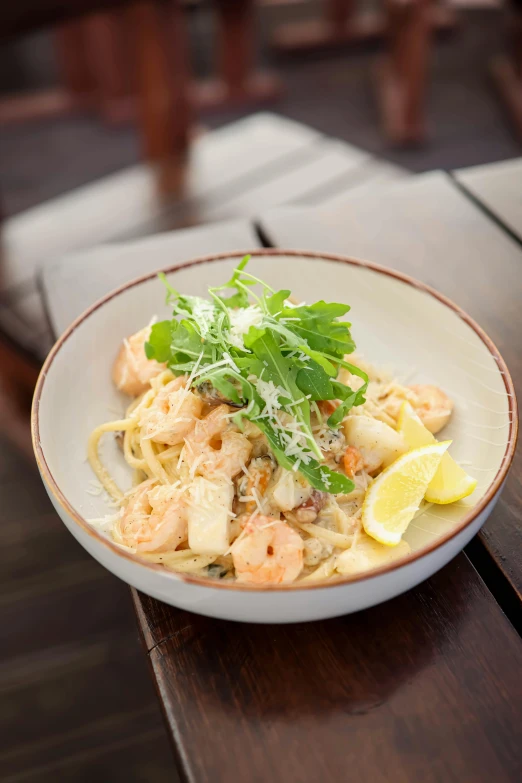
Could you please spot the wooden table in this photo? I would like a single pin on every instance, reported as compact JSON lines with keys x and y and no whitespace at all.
{"x":498,"y":189}
{"x":426,"y":687}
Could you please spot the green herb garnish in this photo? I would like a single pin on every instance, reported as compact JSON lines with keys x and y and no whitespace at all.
{"x":274,"y":359}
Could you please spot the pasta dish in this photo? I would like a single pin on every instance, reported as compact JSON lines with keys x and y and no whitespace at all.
{"x":261,"y":451}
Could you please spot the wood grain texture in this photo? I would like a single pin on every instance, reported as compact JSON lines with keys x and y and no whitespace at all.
{"x":104,"y":268}
{"x":429,"y":229}
{"x":327,"y":162}
{"x":76,"y":703}
{"x":498,"y":187}
{"x":224,"y":164}
{"x":425,"y":687}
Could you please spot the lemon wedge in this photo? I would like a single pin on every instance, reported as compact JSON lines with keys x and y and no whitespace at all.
{"x":393,"y":498}
{"x":451,"y":482}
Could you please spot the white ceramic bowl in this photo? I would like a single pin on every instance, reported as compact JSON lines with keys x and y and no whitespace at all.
{"x":397,"y":322}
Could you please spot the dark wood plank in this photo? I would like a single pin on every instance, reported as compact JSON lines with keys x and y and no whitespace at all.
{"x":75,"y":700}
{"x":425,"y":687}
{"x":133,"y":749}
{"x":429,"y":229}
{"x":380,"y":692}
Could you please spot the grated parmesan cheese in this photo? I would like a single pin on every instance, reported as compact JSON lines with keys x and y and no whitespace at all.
{"x":240,"y":322}
{"x":270,"y":394}
{"x":203,"y":313}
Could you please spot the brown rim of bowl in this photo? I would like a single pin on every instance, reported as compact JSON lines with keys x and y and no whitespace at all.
{"x":338,"y":581}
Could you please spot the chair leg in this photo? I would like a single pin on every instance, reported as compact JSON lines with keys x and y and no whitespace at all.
{"x":402,"y":75}
{"x":238,"y":83}
{"x":106,"y":33}
{"x":507,"y":70}
{"x":162,"y":76}
{"x":71,"y":47}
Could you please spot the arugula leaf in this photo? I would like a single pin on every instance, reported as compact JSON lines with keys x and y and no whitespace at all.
{"x":319,"y":476}
{"x":240,"y":298}
{"x":321,"y":310}
{"x":186,"y":340}
{"x":274,"y":366}
{"x":159,"y":343}
{"x":319,"y":339}
{"x":299,"y":349}
{"x":351,"y":398}
{"x":274,"y":304}
{"x":318,"y":357}
{"x":313,"y":380}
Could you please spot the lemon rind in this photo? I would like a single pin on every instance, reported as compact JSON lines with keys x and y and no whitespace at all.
{"x":375,"y":529}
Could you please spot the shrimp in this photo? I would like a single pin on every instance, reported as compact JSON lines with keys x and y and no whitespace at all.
{"x":353,"y":461}
{"x":267,"y":552}
{"x":214,"y":449}
{"x":155,"y":519}
{"x":433,"y":406}
{"x":132,"y":371}
{"x":173,"y":413}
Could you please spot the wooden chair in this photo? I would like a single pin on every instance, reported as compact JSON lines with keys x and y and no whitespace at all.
{"x":94,"y":56}
{"x":238,"y":82}
{"x":402,"y":75}
{"x":157,"y":61}
{"x":407,"y":27}
{"x":163,"y":92}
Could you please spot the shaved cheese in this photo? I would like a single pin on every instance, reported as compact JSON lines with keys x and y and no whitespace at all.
{"x":270,"y":394}
{"x":230,"y":361}
{"x":208,"y":367}
{"x":105,"y":523}
{"x":203,"y":313}
{"x":246,"y":471}
{"x":240,"y":322}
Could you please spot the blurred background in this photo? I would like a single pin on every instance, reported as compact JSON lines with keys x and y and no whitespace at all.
{"x":120,"y":119}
